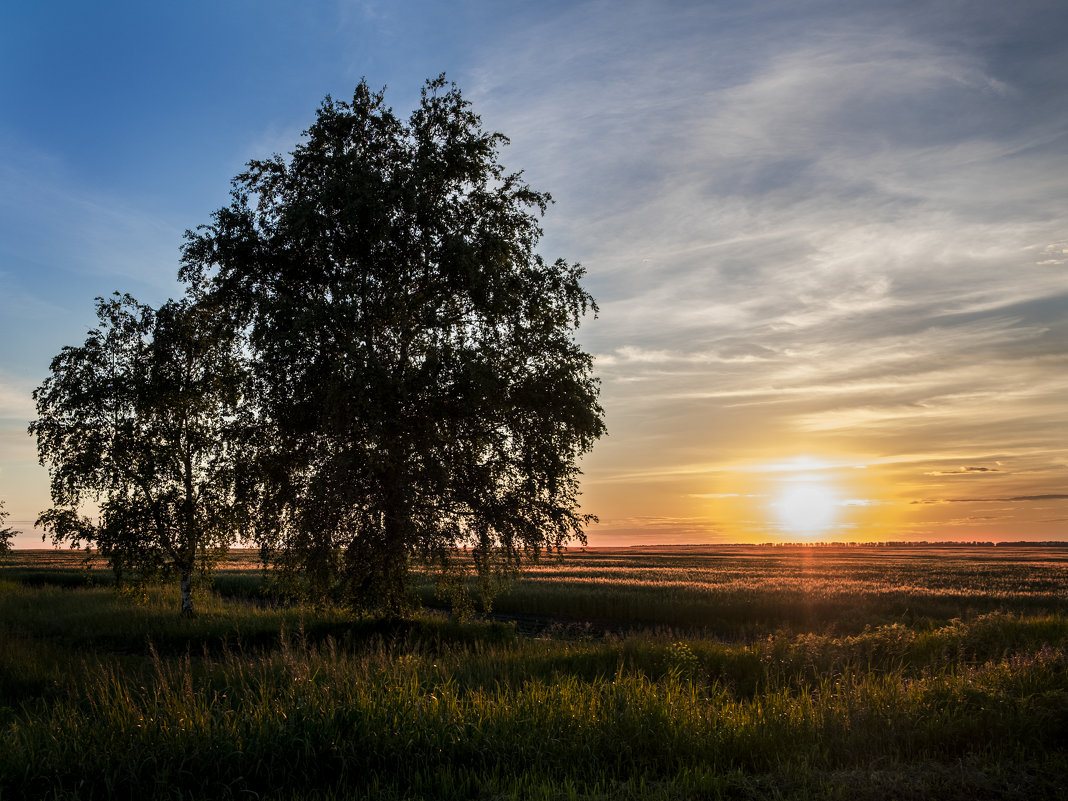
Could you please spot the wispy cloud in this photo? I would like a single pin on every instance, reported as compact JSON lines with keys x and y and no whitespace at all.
{"x":964,"y":471}
{"x":16,"y":397}
{"x":822,"y":228}
{"x":105,"y":235}
{"x":1016,"y":499}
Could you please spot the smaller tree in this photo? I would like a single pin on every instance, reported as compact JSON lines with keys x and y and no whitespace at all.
{"x":6,"y":533}
{"x":141,"y":421}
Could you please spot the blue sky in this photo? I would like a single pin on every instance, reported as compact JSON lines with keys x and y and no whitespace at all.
{"x":828,"y":239}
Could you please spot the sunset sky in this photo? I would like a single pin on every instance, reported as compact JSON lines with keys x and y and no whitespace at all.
{"x":829,"y":240}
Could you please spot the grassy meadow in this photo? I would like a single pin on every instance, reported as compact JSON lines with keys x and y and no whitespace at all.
{"x":719,"y":672}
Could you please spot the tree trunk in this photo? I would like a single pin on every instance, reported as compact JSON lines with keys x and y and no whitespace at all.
{"x":190,"y":548}
{"x":187,"y":592}
{"x":393,"y":565}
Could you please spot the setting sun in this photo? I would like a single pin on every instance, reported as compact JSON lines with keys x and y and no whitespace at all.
{"x":807,"y":508}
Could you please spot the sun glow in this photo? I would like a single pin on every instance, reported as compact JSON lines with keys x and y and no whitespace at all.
{"x":807,"y":508}
{"x":800,"y":499}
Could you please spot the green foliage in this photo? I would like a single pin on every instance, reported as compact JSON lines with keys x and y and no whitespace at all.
{"x":141,"y":422}
{"x":422,"y":395}
{"x":6,"y":532}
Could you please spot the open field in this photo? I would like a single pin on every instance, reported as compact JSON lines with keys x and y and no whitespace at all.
{"x":733,"y":672}
{"x":759,"y":589}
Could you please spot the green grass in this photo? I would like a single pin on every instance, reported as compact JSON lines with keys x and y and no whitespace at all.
{"x":105,"y":695}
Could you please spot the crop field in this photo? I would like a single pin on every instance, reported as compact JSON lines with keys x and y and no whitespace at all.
{"x":856,"y":673}
{"x":738,"y":589}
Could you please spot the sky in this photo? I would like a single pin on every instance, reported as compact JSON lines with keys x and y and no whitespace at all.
{"x":828,"y":239}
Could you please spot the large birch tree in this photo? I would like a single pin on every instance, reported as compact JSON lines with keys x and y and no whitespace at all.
{"x":415,"y":357}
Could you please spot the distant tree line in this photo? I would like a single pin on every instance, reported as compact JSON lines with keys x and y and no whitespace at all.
{"x":915,"y":544}
{"x":372,"y":369}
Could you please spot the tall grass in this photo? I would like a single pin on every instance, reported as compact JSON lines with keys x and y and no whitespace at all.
{"x":105,"y":695}
{"x":453,"y":719}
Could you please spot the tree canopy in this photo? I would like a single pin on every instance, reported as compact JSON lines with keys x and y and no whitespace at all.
{"x":419,"y":389}
{"x":141,"y":422}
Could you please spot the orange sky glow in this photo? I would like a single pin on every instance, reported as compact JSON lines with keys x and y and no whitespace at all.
{"x":827,"y":240}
